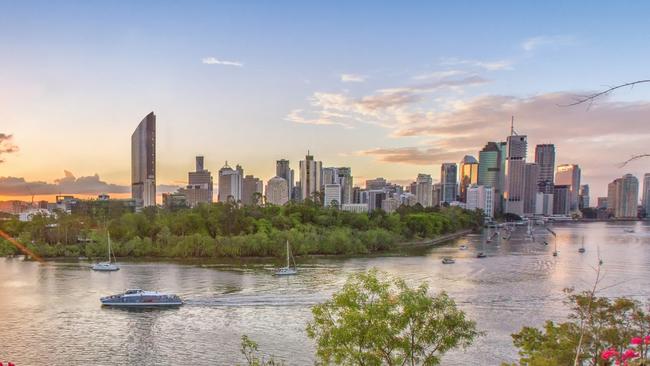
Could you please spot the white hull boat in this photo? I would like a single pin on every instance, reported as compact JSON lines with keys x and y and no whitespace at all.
{"x":141,"y":298}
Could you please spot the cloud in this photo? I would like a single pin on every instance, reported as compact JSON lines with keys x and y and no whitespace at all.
{"x":438,"y":74}
{"x":413,"y":155}
{"x":485,"y":65}
{"x":6,"y":145}
{"x":69,"y":184}
{"x":533,"y":43}
{"x":378,"y":108}
{"x":215,"y":61}
{"x":352,"y":78}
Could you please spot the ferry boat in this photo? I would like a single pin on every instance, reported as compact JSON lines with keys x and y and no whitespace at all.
{"x":141,"y":298}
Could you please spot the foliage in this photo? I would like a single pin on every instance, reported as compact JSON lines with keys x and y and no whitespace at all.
{"x":250,"y":351}
{"x":230,"y":230}
{"x":376,"y":321}
{"x":609,"y":324}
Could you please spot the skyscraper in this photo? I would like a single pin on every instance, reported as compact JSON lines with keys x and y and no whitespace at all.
{"x":283,"y":170}
{"x":480,"y":197}
{"x":251,"y":192}
{"x":515,"y":174}
{"x":645,"y":196}
{"x":448,"y":179}
{"x":569,"y":174}
{"x":230,"y":183}
{"x":310,"y":177}
{"x":627,"y":197}
{"x":583,"y":201}
{"x":276,"y":191}
{"x":530,"y":188}
{"x":491,"y":169}
{"x":545,"y":159}
{"x":200,"y":179}
{"x":561,"y":199}
{"x":143,"y":163}
{"x":468,"y":175}
{"x":424,"y":190}
{"x":332,"y":195}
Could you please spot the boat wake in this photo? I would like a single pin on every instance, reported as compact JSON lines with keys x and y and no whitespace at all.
{"x":256,"y":300}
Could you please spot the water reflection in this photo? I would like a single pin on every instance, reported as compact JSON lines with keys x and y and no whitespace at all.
{"x":51,"y":313}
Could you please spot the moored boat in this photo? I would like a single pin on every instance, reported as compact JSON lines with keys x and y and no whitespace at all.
{"x":448,"y":260}
{"x":141,"y":298}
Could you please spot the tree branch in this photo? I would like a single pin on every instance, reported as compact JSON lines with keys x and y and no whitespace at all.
{"x":592,"y":97}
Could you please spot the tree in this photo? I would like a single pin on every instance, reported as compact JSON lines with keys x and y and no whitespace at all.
{"x":377,"y":320}
{"x":249,"y":349}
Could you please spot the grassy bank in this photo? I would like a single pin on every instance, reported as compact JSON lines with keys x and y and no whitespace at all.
{"x":226,"y":230}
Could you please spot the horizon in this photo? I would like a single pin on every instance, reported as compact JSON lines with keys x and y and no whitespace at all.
{"x":227,"y":82}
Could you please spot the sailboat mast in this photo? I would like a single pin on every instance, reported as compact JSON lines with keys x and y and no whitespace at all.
{"x":288,"y":263}
{"x":108,"y":236}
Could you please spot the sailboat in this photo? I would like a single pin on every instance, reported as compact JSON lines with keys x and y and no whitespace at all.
{"x":481,"y":254}
{"x":288,"y":270}
{"x":106,"y":266}
{"x":582,"y":246}
{"x":554,"y":241}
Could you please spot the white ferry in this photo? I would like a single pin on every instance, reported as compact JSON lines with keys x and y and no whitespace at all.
{"x":141,"y":298}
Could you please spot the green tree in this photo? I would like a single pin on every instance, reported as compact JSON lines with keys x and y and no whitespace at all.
{"x":376,"y":320}
{"x":250,"y":351}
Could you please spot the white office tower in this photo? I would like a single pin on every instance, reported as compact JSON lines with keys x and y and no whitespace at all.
{"x":230,"y":183}
{"x":310,"y":177}
{"x":481,"y":197}
{"x":276,"y":191}
{"x":332,"y":195}
{"x":424,"y":190}
{"x":515,"y":174}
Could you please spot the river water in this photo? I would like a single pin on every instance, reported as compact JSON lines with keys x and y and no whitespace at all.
{"x":50,"y":314}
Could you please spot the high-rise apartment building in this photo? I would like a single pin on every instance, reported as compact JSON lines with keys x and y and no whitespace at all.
{"x":561,"y":199}
{"x":252,"y":190}
{"x":200,"y":181}
{"x":468,"y":175}
{"x":545,"y":159}
{"x":332,"y":195}
{"x":530,"y":188}
{"x":424,"y":190}
{"x":377,"y":183}
{"x":627,"y":197}
{"x":448,"y":179}
{"x":230,"y":183}
{"x":569,"y":174}
{"x":480,"y":197}
{"x":341,"y":176}
{"x":283,"y":170}
{"x":515,"y":174}
{"x":276,"y":191}
{"x":310,"y":177}
{"x":645,"y":196}
{"x":491,"y":169}
{"x":612,"y":196}
{"x":143,"y":163}
{"x":583,"y":200}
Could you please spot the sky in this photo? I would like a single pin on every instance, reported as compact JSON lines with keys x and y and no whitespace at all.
{"x":390,"y":89}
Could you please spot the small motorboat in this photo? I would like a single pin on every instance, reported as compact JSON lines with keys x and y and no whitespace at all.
{"x":141,"y":298}
{"x":629,"y":230}
{"x":581,"y":250}
{"x":463,"y":247}
{"x":555,"y":253}
{"x":448,"y":260}
{"x":481,"y":255}
{"x":105,"y":267}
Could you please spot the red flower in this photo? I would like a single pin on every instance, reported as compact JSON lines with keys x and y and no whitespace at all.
{"x":636,"y":341}
{"x":646,"y":340}
{"x":608,"y":353}
{"x":629,"y":353}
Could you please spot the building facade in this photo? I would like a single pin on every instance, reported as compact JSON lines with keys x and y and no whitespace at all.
{"x":424,"y":190}
{"x":200,"y":180}
{"x":561,"y":199}
{"x":627,"y":197}
{"x":252,"y":190}
{"x":481,"y":197}
{"x":583,"y":197}
{"x":230,"y":183}
{"x":468,"y":175}
{"x":448,"y":182}
{"x":645,"y":196}
{"x":569,"y":174}
{"x":530,"y":188}
{"x":143,"y":163}
{"x":515,"y":174}
{"x":332,"y":197}
{"x":491,"y":169}
{"x":283,"y":170}
{"x":545,"y":159}
{"x":276,"y":191}
{"x":310,"y":177}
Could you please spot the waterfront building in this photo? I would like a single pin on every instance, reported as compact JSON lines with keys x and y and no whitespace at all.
{"x":448,"y":182}
{"x":645,"y":196}
{"x":583,"y":201}
{"x":424,"y":190}
{"x":276,"y":191}
{"x":481,"y":197}
{"x":561,"y":199}
{"x":310,"y":177}
{"x":201,"y":182}
{"x":143,"y":163}
{"x":626,"y":194}
{"x":601,"y":203}
{"x":569,"y":174}
{"x":545,"y":159}
{"x":491,"y":170}
{"x":332,"y":196}
{"x":252,"y":190}
{"x":515,"y":173}
{"x":544,"y":204}
{"x":612,"y":196}
{"x":283,"y":170}
{"x":530,"y":188}
{"x":468,"y":175}
{"x":230,"y":183}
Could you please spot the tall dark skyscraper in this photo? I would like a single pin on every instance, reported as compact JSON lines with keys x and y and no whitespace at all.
{"x":515,"y":174}
{"x":143,"y":162}
{"x":448,"y":179}
{"x":545,"y":159}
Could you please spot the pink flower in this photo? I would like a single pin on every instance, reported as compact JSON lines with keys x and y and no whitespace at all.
{"x":608,"y":353}
{"x":629,"y":353}
{"x":646,"y":340}
{"x":636,"y":341}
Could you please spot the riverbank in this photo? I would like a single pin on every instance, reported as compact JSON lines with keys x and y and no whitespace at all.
{"x":434,"y":241}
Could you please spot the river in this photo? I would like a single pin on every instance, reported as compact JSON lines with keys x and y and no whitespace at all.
{"x":50,"y":314}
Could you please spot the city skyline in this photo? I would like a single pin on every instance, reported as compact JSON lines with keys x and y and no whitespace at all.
{"x":385,"y":114}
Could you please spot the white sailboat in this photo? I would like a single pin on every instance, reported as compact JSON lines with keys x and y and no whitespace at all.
{"x":582,"y":246}
{"x":106,"y":266}
{"x":288,"y":270}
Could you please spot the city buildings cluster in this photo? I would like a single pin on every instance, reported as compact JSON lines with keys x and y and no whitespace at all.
{"x":499,"y":182}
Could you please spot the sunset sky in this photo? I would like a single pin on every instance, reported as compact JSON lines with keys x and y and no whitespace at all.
{"x":391,"y":90}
